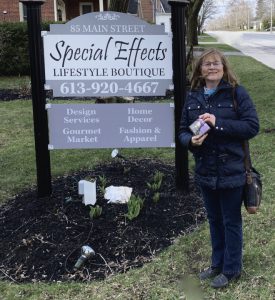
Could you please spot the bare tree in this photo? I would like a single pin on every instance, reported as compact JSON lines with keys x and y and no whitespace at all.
{"x":207,"y":12}
{"x":237,"y":16}
{"x":192,"y":16}
{"x":241,"y":13}
{"x":193,"y":10}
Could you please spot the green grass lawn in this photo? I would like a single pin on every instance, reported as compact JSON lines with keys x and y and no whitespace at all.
{"x":14,"y":82}
{"x":172,"y":274}
{"x":221,"y":47}
{"x":206,"y":41}
{"x":206,"y":38}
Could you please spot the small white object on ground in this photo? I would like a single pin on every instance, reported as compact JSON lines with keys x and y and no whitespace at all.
{"x":118,"y":194}
{"x":88,"y":190}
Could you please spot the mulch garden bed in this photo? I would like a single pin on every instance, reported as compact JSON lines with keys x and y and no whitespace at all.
{"x":7,"y":95}
{"x":41,"y":239}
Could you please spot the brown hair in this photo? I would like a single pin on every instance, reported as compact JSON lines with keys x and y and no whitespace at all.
{"x":196,"y":79}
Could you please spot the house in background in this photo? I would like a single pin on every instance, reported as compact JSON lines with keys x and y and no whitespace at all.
{"x":51,"y":10}
{"x":163,"y":15}
{"x":153,"y":11}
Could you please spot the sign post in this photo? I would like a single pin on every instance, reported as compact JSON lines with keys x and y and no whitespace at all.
{"x":179,"y":77}
{"x":40,"y":119}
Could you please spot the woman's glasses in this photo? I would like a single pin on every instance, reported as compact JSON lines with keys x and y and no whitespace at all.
{"x":208,"y":64}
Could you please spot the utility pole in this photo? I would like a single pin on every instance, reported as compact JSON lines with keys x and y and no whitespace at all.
{"x":271,"y":15}
{"x":248,"y":19}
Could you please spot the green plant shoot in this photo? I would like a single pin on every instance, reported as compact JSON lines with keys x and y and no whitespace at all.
{"x":135,"y":205}
{"x":102,"y":182}
{"x":95,"y":212}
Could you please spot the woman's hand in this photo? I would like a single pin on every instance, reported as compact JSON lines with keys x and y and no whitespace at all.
{"x":197,"y":140}
{"x":208,"y":118}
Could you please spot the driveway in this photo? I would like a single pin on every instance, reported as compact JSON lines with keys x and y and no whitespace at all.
{"x":259,"y":45}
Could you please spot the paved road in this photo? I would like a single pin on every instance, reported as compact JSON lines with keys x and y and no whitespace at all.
{"x":259,"y":45}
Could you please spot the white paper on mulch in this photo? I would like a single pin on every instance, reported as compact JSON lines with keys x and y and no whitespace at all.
{"x":118,"y":194}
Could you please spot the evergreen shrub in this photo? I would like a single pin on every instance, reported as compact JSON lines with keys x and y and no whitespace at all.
{"x":14,"y":51}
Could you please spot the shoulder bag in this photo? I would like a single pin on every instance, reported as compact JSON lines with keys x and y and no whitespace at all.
{"x":252,"y":194}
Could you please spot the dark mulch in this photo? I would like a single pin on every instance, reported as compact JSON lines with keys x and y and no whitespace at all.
{"x":18,"y":94}
{"x":8,"y":95}
{"x":41,"y":239}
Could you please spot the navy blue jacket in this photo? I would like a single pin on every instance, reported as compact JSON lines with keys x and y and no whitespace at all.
{"x":220,"y":159}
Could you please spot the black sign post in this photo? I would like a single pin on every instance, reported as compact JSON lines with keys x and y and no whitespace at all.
{"x":40,"y":120}
{"x":179,"y":78}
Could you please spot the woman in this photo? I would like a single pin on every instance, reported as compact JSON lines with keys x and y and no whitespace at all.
{"x":219,"y":157}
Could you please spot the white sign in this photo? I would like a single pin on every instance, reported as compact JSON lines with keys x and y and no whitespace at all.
{"x":107,"y":54}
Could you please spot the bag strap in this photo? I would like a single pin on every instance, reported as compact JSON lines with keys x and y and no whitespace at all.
{"x":245,"y":145}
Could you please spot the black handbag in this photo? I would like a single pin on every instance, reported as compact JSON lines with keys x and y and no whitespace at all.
{"x":252,"y":193}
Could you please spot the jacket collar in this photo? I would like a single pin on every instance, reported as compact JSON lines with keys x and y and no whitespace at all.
{"x":199,"y":92}
{"x":222,"y":85}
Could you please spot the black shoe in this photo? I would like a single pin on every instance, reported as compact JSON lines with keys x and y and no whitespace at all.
{"x":209,"y":273}
{"x":222,"y":280}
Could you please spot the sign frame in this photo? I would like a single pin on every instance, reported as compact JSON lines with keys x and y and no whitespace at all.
{"x":103,"y":54}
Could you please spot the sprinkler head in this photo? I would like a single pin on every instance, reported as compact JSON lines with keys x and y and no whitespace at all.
{"x":86,"y":252}
{"x":115,"y":153}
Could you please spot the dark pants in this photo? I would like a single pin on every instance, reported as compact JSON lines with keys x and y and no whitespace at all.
{"x":223,"y":208}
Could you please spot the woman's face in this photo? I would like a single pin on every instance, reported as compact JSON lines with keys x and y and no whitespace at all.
{"x":212,"y":70}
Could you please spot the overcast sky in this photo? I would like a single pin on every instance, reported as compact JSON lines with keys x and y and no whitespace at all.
{"x":222,"y":4}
